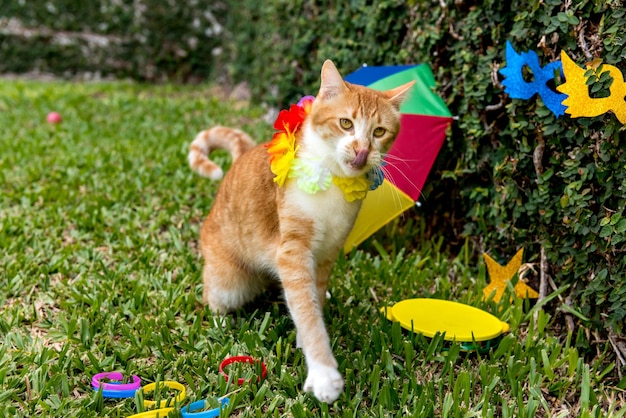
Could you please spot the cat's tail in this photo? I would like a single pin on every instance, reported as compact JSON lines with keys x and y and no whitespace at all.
{"x":219,"y":137}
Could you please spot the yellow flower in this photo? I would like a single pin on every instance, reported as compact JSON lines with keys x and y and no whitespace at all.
{"x":282,"y":150}
{"x":353,"y":188}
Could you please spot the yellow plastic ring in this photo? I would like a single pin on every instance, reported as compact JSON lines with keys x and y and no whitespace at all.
{"x":167,"y":383}
{"x":157,"y":413}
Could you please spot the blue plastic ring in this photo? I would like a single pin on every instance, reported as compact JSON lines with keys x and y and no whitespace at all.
{"x":187,"y":411}
{"x":118,"y":393}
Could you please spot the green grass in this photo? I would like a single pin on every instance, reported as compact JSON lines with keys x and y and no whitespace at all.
{"x":99,"y":271}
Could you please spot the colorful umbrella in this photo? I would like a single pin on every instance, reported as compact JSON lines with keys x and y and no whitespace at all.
{"x":423,"y":125}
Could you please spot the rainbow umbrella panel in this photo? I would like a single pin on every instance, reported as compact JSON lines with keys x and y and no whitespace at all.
{"x":423,"y":124}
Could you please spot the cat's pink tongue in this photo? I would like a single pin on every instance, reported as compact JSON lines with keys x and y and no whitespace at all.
{"x":360,"y":160}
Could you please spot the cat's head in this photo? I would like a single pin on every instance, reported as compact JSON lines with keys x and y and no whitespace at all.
{"x":351,"y":127}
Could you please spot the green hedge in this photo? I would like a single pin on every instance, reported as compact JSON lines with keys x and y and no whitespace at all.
{"x":511,"y":174}
{"x":570,"y":198}
{"x":149,"y":40}
{"x":281,"y":46}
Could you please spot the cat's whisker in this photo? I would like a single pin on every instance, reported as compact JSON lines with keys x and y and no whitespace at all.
{"x":397,"y":198}
{"x":407,"y":178}
{"x":400,"y":158}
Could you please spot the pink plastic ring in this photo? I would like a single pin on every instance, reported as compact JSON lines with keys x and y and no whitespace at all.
{"x":242,"y":359}
{"x":117,"y":376}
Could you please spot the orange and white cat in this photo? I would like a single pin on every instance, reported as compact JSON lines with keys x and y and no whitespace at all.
{"x":261,"y":229}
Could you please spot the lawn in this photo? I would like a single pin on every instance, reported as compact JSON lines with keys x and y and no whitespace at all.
{"x":99,"y":271}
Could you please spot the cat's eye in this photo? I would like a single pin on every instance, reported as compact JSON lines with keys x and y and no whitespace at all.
{"x":378,"y":132}
{"x":345,"y":123}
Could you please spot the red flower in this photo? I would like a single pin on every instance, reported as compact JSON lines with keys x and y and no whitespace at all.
{"x":290,"y":120}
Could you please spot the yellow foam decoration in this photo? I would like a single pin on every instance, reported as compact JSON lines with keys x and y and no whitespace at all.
{"x":499,"y":275}
{"x":379,"y":207}
{"x":580,"y":104}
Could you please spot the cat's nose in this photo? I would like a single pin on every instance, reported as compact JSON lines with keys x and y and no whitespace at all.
{"x":360,"y":159}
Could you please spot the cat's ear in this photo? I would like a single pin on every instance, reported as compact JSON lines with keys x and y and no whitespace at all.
{"x":397,"y":95}
{"x":332,"y":84}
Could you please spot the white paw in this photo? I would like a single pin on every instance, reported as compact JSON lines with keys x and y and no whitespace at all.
{"x":324,"y":382}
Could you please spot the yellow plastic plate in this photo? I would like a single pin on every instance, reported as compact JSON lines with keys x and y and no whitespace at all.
{"x":459,"y":322}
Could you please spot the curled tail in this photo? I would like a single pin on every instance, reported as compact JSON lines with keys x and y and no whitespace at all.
{"x":219,"y":137}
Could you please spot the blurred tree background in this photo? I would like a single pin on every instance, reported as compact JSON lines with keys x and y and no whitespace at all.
{"x":510,"y":174}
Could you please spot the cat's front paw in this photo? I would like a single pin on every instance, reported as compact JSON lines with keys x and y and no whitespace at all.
{"x":324,"y":382}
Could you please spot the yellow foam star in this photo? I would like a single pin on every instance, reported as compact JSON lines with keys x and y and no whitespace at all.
{"x":500,"y":275}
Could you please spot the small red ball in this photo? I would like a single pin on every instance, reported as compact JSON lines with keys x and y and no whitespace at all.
{"x":53,"y":117}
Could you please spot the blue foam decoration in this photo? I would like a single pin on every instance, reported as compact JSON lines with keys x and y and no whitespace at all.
{"x":518,"y":88}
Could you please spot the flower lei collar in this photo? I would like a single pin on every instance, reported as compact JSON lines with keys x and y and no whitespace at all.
{"x":310,"y":175}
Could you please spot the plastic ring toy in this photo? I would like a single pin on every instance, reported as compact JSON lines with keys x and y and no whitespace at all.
{"x":166,"y":383}
{"x":118,"y":394}
{"x":187,"y":411}
{"x":242,"y":359}
{"x":117,"y":376}
{"x":161,"y":413}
